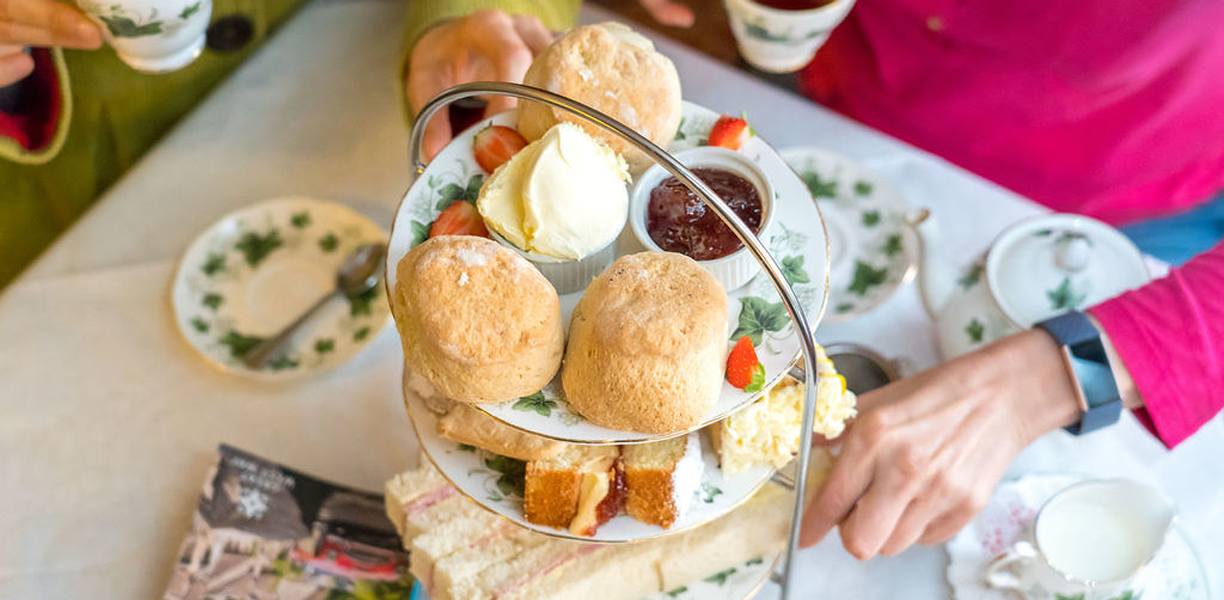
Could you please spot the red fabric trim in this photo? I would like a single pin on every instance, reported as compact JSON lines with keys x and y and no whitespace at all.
{"x":33,"y":125}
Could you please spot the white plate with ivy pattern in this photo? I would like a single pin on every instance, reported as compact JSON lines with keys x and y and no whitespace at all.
{"x":798,"y":242}
{"x":1175,"y":573}
{"x":496,"y":483}
{"x":258,"y":268}
{"x":874,"y":253}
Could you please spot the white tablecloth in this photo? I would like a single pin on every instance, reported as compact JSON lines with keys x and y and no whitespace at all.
{"x":108,"y":421}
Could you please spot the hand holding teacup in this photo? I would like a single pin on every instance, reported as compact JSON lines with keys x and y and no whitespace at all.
{"x":39,"y":23}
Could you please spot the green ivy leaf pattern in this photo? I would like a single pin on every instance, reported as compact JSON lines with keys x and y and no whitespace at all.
{"x":239,"y":344}
{"x":819,"y":187}
{"x":361,"y":334}
{"x":754,"y":562}
{"x":720,"y":577}
{"x":677,"y":591}
{"x":866,"y":276}
{"x":213,"y":264}
{"x":255,"y":248}
{"x":892,"y":245}
{"x":792,"y":268}
{"x":679,"y":131}
{"x":212,"y":300}
{"x":325,"y":345}
{"x":283,"y":362}
{"x":871,"y":218}
{"x":465,"y":447}
{"x":709,"y":492}
{"x":975,"y":330}
{"x":190,"y":10}
{"x":454,"y":191}
{"x":844,"y":307}
{"x":862,"y":188}
{"x":359,"y":305}
{"x":200,"y":325}
{"x":1128,"y":595}
{"x":971,"y":277}
{"x":329,"y":242}
{"x":757,"y":317}
{"x":420,"y":232}
{"x":298,"y":220}
{"x":759,"y":32}
{"x":123,"y":27}
{"x":1079,"y":596}
{"x":513,"y":472}
{"x":536,"y":403}
{"x":1064,"y":296}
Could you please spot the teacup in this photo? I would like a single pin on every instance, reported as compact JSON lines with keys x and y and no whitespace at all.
{"x":1089,"y":542}
{"x":154,"y":36}
{"x":781,"y":41}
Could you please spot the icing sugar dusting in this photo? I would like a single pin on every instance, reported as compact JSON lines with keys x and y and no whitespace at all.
{"x":472,"y":257}
{"x":463,"y":279}
{"x":585,"y":74}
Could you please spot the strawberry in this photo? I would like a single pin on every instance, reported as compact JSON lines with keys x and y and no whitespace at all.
{"x":729,"y":132}
{"x":495,"y":145}
{"x":744,"y":370}
{"x":460,"y":218}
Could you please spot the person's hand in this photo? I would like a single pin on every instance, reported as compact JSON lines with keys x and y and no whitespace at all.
{"x":925,"y":453}
{"x":667,"y":12}
{"x":39,"y":23}
{"x":487,"y":45}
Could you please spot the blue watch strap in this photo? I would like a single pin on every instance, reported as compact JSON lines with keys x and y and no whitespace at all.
{"x":1090,"y":367}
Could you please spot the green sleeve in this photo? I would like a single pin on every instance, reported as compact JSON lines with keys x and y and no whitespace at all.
{"x":423,"y":14}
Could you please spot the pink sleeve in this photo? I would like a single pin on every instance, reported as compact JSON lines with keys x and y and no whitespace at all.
{"x":1170,"y":335}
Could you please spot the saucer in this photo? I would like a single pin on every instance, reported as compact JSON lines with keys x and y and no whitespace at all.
{"x":1176,"y":572}
{"x":872,"y":252}
{"x":256,"y":269}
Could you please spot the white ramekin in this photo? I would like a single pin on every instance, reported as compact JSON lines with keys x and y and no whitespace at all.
{"x":735,"y":269}
{"x":565,"y":274}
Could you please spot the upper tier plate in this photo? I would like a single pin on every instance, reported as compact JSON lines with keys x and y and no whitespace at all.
{"x":798,"y":241}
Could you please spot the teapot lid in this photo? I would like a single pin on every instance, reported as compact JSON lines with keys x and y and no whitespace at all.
{"x":1049,"y":265}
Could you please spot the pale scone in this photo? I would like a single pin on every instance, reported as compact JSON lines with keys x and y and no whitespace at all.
{"x":647,"y":343}
{"x":477,"y":321}
{"x":614,"y":70}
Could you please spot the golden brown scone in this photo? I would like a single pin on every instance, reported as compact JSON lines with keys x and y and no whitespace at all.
{"x":477,"y":320}
{"x":467,"y":425}
{"x":615,"y":70}
{"x":647,"y":342}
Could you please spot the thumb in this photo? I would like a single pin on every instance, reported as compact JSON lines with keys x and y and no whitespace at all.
{"x":669,"y":13}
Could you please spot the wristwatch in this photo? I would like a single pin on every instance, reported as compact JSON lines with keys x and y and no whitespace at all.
{"x":1084,"y":353}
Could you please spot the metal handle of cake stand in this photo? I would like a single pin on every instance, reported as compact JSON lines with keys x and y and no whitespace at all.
{"x":673,"y":166}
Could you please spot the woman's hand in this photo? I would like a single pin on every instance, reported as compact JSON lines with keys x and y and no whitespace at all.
{"x":925,"y":453}
{"x":487,"y":45}
{"x":39,"y":23}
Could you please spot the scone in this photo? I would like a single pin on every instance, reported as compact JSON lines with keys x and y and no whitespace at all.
{"x":647,"y":343}
{"x":468,"y":425}
{"x":614,"y":70}
{"x":477,"y":321}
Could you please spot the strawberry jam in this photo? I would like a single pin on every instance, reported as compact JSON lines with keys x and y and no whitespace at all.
{"x":678,"y":221}
{"x":611,"y":504}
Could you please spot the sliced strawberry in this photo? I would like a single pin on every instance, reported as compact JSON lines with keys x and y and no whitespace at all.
{"x":744,"y":370}
{"x":495,"y":145}
{"x":460,"y":218}
{"x":729,"y":132}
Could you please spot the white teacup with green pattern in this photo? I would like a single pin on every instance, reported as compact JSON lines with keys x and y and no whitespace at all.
{"x":781,"y":41}
{"x":154,"y":36}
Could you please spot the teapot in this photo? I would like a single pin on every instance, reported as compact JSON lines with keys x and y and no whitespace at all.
{"x":1036,"y":269}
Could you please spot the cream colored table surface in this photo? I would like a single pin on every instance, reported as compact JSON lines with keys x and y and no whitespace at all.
{"x":108,"y":421}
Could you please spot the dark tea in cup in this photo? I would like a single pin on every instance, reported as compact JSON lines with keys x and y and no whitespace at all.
{"x":793,"y":4}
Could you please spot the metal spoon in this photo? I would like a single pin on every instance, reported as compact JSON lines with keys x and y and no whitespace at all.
{"x":359,"y":273}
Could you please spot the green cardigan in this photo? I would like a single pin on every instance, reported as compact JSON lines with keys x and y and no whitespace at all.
{"x":112,"y":115}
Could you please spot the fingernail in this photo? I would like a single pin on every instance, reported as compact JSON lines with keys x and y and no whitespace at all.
{"x":88,"y":33}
